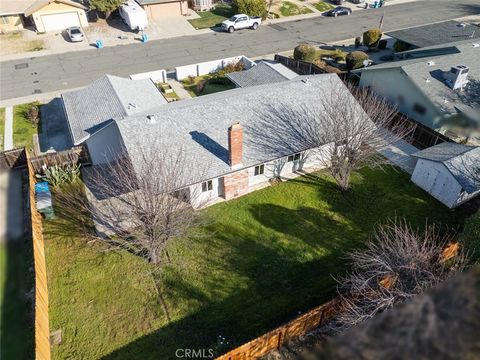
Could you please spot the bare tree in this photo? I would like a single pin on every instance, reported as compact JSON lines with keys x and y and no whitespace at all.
{"x":397,"y":264}
{"x":138,"y":204}
{"x":347,"y":131}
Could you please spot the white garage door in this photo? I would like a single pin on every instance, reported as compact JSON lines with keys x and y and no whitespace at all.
{"x":60,"y":21}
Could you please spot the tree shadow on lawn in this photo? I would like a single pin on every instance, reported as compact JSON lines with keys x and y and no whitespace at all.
{"x":268,"y":288}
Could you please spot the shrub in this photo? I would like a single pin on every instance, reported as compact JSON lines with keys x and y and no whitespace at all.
{"x":355,"y":59}
{"x":471,"y":236}
{"x":304,"y":52}
{"x":358,"y":41}
{"x":57,"y":176}
{"x":382,"y":44}
{"x":400,"y":46}
{"x":328,"y":68}
{"x":33,"y":113}
{"x":372,"y":37}
{"x":250,"y":7}
{"x":201,"y":85}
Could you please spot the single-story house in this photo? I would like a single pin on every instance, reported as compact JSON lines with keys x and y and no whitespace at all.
{"x":265,"y":72}
{"x":450,"y":172}
{"x":12,"y":16}
{"x":224,"y":132}
{"x":162,"y":8}
{"x":436,"y":34}
{"x":52,"y":15}
{"x":107,"y":98}
{"x":437,"y":86}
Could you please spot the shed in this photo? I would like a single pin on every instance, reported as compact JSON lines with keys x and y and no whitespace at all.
{"x":450,"y":172}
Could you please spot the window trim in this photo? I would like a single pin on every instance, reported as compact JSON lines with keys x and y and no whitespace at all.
{"x":259,"y":170}
{"x":207,"y":186}
{"x":419,"y":109}
{"x":294,"y":157}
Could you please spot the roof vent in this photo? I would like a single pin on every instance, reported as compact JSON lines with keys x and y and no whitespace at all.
{"x":457,"y":77}
{"x":462,"y":25}
{"x":305,"y":81}
{"x":151,"y":119}
{"x":430,"y":63}
{"x":132,"y":105}
{"x":476,"y":45}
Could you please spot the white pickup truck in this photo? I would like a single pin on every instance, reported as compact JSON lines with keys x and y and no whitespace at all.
{"x":241,"y":21}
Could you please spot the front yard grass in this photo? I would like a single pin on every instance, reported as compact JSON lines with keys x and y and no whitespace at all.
{"x":2,"y":127}
{"x":288,"y":8}
{"x":261,"y":260}
{"x":23,"y":130}
{"x":212,"y":18}
{"x":209,"y":88}
{"x":323,"y":6}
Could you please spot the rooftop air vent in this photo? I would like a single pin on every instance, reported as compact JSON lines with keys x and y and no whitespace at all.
{"x":430,"y":63}
{"x":476,"y":45}
{"x":151,"y":119}
{"x":457,"y":77}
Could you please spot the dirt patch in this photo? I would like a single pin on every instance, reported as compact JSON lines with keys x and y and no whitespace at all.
{"x":16,"y":42}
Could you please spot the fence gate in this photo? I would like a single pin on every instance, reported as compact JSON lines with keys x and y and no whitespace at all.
{"x":14,"y":158}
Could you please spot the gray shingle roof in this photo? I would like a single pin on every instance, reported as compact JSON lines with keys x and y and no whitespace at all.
{"x":436,"y":34}
{"x":199,"y":126}
{"x":426,"y":72}
{"x":459,"y":159}
{"x":262,"y":73}
{"x":107,"y":98}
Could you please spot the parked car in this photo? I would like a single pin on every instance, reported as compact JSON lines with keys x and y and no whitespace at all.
{"x":338,"y":11}
{"x":241,"y":21}
{"x":338,"y":2}
{"x":75,"y":34}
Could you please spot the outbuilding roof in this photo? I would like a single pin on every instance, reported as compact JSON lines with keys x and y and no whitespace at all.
{"x":265,"y":72}
{"x":107,"y":98}
{"x":436,"y":34}
{"x":462,"y":161}
{"x":198,"y":126}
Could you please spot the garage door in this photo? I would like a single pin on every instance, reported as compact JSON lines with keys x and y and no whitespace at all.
{"x":60,"y":21}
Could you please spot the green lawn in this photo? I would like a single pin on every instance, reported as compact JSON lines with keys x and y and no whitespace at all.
{"x":323,"y":6}
{"x":23,"y":130}
{"x":209,"y":88}
{"x":261,"y":260}
{"x":211,"y":18}
{"x":289,"y":9}
{"x":2,"y":126}
{"x":16,"y":316}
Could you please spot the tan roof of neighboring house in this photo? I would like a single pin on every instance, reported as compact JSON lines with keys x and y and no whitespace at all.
{"x":37,"y":5}
{"x":11,"y":7}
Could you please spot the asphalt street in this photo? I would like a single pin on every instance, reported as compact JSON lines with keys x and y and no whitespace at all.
{"x":45,"y":74}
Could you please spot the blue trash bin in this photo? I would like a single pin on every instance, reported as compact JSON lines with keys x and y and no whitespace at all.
{"x":99,"y":44}
{"x":144,"y":38}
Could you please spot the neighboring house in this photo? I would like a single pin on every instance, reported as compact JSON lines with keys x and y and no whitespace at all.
{"x":437,"y":86}
{"x":265,"y":72}
{"x":12,"y":16}
{"x":449,"y":172}
{"x":52,"y":15}
{"x":109,"y":97}
{"x":223,"y":133}
{"x":162,"y":8}
{"x":436,"y":34}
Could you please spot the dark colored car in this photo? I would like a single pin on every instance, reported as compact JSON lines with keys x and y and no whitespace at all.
{"x":338,"y":2}
{"x":338,"y":11}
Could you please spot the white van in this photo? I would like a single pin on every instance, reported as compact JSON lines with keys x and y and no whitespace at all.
{"x":133,"y":15}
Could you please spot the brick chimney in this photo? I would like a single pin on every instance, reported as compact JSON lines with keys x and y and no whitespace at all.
{"x":235,"y":145}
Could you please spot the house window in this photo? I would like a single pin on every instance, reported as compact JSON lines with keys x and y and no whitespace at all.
{"x":259,"y":170}
{"x":207,"y":186}
{"x":294,"y":157}
{"x":419,"y":109}
{"x":4,"y":19}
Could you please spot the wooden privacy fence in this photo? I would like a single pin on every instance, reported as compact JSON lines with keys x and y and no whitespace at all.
{"x":274,"y":339}
{"x":75,"y":155}
{"x":42,"y":328}
{"x":14,"y":158}
{"x":300,"y":67}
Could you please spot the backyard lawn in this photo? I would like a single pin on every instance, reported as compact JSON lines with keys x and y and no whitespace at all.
{"x":23,"y":130}
{"x":209,"y":88}
{"x":261,"y":260}
{"x":211,"y":18}
{"x":2,"y":126}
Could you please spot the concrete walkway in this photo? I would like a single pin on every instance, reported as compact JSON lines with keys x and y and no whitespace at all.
{"x":179,"y":90}
{"x":8,"y":131}
{"x":399,"y":153}
{"x":11,"y":205}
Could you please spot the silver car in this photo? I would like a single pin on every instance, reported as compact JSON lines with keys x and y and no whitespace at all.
{"x":75,"y":34}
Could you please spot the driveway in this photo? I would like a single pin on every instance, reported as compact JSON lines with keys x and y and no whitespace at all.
{"x":11,"y":205}
{"x":54,"y":134}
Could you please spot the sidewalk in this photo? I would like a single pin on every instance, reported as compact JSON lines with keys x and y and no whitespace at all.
{"x":8,"y":134}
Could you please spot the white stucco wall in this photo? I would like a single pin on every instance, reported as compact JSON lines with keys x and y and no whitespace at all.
{"x":435,"y":178}
{"x":395,"y":85}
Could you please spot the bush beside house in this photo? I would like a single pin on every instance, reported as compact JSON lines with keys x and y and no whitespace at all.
{"x":372,"y":37}
{"x":304,"y":52}
{"x":355,"y":59}
{"x":250,"y":7}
